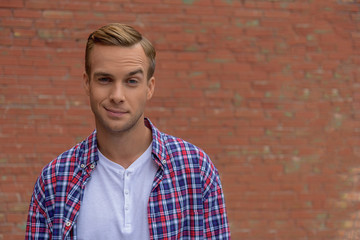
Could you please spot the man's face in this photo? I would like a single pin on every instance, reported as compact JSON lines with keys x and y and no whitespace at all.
{"x":118,"y":87}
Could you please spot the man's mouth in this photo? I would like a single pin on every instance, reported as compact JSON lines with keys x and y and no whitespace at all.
{"x":116,"y":112}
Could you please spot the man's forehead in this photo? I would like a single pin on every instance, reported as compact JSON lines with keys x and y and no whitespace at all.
{"x":118,"y":53}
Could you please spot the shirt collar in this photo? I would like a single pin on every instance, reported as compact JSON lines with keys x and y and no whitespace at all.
{"x":158,"y":147}
{"x":88,"y":150}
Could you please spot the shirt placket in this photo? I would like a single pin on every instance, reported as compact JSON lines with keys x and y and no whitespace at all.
{"x":127,"y":202}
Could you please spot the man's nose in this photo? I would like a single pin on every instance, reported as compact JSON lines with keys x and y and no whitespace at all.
{"x":117,"y":93}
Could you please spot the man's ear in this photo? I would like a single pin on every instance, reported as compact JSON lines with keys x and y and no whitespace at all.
{"x":86,"y":83}
{"x":151,"y":88}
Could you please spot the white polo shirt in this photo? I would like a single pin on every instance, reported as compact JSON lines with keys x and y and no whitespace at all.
{"x":114,"y":204}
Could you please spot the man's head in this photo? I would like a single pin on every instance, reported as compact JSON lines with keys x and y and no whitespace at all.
{"x":116,"y":34}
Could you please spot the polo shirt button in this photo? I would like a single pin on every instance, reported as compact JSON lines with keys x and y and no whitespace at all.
{"x":68,"y":224}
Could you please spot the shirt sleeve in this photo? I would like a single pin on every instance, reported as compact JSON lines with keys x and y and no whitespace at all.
{"x":37,"y":227}
{"x":216,"y":224}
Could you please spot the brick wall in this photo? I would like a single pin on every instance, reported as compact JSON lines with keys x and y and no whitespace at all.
{"x":270,"y":89}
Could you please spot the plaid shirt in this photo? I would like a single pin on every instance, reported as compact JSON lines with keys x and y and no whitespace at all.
{"x":186,"y":201}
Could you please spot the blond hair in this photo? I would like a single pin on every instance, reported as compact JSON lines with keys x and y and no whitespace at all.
{"x":117,"y":34}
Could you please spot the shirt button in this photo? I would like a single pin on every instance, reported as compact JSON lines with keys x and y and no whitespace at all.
{"x":68,"y":224}
{"x":164,"y":161}
{"x":82,"y":165}
{"x":126,"y":192}
{"x":92,"y":166}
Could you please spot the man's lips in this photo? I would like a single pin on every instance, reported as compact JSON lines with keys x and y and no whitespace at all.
{"x":115,"y":112}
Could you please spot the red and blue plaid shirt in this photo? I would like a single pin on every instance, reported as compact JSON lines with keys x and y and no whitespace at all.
{"x":186,"y":201}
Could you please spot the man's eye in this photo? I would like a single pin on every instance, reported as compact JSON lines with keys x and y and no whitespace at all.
{"x":104,"y":79}
{"x":132,"y":81}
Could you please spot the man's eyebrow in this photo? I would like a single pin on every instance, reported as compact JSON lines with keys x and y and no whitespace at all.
{"x":104,"y":74}
{"x":138,"y":71}
{"x":132,"y":73}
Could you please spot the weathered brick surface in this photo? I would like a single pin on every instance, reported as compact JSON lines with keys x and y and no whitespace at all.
{"x":269,"y":88}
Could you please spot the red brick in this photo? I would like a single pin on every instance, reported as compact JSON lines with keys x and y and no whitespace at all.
{"x":57,"y":14}
{"x":41,"y":4}
{"x":77,"y":6}
{"x":5,"y":12}
{"x":11,"y":4}
{"x":24,"y":33}
{"x":13,"y":22}
{"x":21,"y":13}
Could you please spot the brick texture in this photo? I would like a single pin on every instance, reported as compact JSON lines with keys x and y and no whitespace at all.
{"x":269,"y":88}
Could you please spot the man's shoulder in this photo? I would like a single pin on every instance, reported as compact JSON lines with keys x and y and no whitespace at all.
{"x":185,"y":157}
{"x":177,"y":144}
{"x":177,"y":151}
{"x":169,"y":146}
{"x":182,"y":152}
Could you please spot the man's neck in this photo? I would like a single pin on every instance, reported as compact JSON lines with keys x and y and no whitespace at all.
{"x":124,"y":148}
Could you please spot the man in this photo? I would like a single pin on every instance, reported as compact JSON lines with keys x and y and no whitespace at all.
{"x":127,"y":180}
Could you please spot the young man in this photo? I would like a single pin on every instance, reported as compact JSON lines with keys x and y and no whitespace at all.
{"x":127,"y":180}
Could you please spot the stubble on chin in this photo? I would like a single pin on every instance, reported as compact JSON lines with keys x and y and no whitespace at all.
{"x":115,"y":127}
